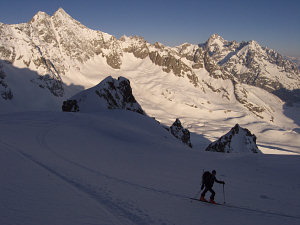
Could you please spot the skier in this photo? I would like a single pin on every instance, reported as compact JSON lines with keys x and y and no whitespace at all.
{"x":208,"y":181}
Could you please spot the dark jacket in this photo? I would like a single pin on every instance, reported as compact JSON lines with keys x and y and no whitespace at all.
{"x":212,"y":180}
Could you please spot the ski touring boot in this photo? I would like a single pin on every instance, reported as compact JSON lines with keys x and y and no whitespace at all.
{"x":202,"y":199}
{"x":212,"y":201}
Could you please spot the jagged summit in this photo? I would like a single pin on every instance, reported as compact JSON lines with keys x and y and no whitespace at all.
{"x":215,"y":36}
{"x":237,"y":140}
{"x":39,"y":16}
{"x":181,"y":133}
{"x":109,"y":93}
{"x":61,"y":13}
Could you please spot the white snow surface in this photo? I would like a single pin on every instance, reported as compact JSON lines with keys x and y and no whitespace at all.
{"x":119,"y":167}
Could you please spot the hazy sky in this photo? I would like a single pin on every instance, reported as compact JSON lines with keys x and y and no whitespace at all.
{"x":272,"y":23}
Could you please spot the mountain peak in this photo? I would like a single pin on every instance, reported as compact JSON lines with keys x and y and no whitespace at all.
{"x":254,"y":44}
{"x":237,"y":140}
{"x":215,"y":40}
{"x":61,"y":13}
{"x":39,"y":15}
{"x":214,"y":37}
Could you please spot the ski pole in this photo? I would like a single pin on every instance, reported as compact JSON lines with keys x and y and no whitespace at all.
{"x":197,"y":193}
{"x":224,"y":193}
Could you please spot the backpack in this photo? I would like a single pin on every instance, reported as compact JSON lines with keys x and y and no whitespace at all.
{"x":205,"y":178}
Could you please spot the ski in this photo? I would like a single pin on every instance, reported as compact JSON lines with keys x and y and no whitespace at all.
{"x":249,"y":209}
{"x":195,"y":199}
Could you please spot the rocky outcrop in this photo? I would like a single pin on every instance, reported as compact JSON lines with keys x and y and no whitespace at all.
{"x":5,"y":91}
{"x":237,"y":140}
{"x":110,"y":93}
{"x":241,"y":95}
{"x":118,"y":94}
{"x":180,"y":133}
{"x":70,"y":106}
{"x":137,"y":46}
{"x":170,"y":63}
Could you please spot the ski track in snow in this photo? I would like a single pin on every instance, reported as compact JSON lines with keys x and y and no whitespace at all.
{"x":42,"y":140}
{"x":249,"y":209}
{"x":112,"y":209}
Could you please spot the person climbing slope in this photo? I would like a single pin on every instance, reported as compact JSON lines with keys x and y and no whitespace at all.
{"x":208,"y":180}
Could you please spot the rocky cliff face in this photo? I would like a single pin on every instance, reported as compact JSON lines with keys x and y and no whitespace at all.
{"x":109,"y":93}
{"x":70,"y":106}
{"x":237,"y":140}
{"x":5,"y":91}
{"x":181,"y":133}
{"x":53,"y":45}
{"x":248,"y":63}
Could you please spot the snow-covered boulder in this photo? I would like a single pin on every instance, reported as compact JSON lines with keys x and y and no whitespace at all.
{"x":109,"y":93}
{"x":179,"y":132}
{"x":237,"y":140}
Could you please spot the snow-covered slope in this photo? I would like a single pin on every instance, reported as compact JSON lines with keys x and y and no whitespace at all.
{"x":210,"y":87}
{"x":296,"y":60}
{"x":122,"y":168}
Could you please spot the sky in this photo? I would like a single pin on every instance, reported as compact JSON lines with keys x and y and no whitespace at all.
{"x":272,"y":23}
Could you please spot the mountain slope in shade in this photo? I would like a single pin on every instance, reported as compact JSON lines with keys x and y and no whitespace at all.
{"x":119,"y":167}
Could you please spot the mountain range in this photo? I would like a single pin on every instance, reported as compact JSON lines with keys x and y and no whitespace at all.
{"x":51,"y":58}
